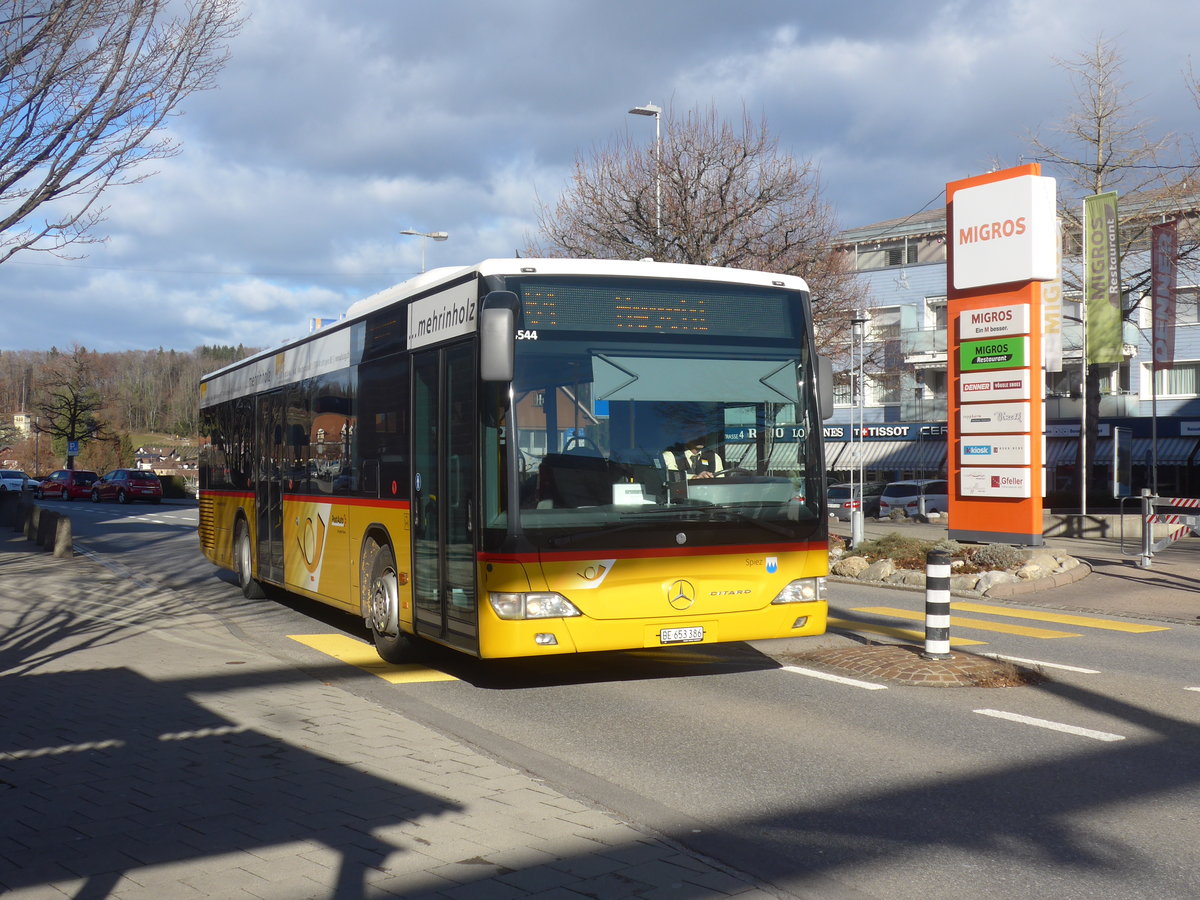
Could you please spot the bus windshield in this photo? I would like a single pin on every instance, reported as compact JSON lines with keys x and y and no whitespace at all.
{"x":634,"y":436}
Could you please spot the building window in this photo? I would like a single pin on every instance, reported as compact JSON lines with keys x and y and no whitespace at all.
{"x":884,"y":324}
{"x":935,"y":313}
{"x":1182,"y":380}
{"x":884,"y":389}
{"x":843,"y":389}
{"x":1187,"y":306}
{"x":900,"y":256}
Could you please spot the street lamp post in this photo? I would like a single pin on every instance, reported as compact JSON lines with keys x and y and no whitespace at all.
{"x":436,"y":235}
{"x":651,"y":110}
{"x":858,"y":333}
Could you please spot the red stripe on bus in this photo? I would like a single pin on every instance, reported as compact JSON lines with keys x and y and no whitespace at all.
{"x":379,"y":503}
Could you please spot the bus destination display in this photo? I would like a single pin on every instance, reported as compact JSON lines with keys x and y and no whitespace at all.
{"x":711,"y":310}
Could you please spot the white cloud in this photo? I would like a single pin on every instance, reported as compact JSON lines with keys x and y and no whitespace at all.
{"x":336,"y":126}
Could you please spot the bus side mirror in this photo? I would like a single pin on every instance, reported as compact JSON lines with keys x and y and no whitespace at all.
{"x":825,"y":386}
{"x":497,"y":334}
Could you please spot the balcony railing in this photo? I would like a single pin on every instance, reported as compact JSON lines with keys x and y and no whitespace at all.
{"x":921,"y":342}
{"x":931,"y":408}
{"x":1111,"y":406}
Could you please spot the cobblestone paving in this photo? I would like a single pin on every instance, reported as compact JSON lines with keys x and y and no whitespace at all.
{"x":903,"y":664}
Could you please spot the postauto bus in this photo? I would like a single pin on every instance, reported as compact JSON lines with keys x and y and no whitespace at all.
{"x":493,"y":458}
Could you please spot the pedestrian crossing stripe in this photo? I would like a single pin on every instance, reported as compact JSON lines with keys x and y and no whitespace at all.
{"x":975,"y":624}
{"x":890,"y":631}
{"x":1058,"y":618}
{"x":363,"y":656}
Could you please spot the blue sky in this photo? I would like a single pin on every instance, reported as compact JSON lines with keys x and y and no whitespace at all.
{"x":337,"y":125}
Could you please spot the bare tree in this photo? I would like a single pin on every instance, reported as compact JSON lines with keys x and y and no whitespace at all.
{"x":85,"y":88}
{"x":1103,"y":146}
{"x":69,"y":401}
{"x":728,"y":198}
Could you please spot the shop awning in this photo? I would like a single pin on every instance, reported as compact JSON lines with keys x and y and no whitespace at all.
{"x":921,"y":455}
{"x":870,"y":455}
{"x":784,"y":457}
{"x":1176,"y":451}
{"x":1061,"y":451}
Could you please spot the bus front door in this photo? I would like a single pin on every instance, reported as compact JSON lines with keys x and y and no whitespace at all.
{"x":445,"y":458}
{"x":268,"y":486}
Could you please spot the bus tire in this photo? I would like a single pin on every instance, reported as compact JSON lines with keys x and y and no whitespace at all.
{"x":243,"y":560}
{"x":383,"y":607}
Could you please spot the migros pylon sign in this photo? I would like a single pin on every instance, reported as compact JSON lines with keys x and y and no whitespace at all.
{"x":1002,"y":246}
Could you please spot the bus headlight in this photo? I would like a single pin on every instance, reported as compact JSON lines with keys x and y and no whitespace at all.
{"x":802,"y":590}
{"x":532,"y":605}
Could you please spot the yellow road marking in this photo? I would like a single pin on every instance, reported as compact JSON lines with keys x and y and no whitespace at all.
{"x":978,"y":624}
{"x":1060,"y":618}
{"x":363,"y":656}
{"x":887,"y":630}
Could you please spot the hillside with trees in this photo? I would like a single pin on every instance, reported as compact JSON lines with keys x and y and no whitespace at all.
{"x":109,"y":402}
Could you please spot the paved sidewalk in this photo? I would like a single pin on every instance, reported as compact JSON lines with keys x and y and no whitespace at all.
{"x":151,"y":755}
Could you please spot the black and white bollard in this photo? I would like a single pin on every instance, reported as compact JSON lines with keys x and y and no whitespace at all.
{"x":937,"y":605}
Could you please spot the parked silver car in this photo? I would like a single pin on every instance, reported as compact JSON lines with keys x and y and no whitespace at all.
{"x":906,"y":496}
{"x":844,"y":499}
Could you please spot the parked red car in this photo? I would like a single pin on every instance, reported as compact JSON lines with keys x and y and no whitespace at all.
{"x":66,"y":484}
{"x":127,"y":485}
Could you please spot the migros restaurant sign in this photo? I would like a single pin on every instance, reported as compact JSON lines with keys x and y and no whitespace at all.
{"x":998,"y":353}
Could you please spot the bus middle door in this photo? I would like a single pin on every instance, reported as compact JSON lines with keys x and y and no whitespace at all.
{"x":268,"y":486}
{"x":445,"y":458}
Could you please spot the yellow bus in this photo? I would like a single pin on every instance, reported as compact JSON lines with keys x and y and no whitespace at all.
{"x":530,"y":457}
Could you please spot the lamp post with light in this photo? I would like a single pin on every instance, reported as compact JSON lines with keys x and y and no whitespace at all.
{"x":651,"y":110}
{"x":858,"y":343}
{"x":435,"y":235}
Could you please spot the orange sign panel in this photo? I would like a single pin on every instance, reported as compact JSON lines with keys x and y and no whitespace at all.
{"x":994,"y":353}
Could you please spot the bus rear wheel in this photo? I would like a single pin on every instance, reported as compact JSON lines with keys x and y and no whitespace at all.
{"x":383,"y":608}
{"x":243,"y":559}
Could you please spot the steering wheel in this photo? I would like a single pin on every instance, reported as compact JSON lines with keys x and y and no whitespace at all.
{"x":732,"y":470}
{"x":577,"y":441}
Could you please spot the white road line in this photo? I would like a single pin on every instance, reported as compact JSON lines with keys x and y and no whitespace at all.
{"x":1038,"y":662}
{"x":825,"y":676}
{"x":1192,"y":689}
{"x":1053,"y":726}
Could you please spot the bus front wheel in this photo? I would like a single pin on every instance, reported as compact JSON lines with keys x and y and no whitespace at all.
{"x":243,"y":558}
{"x":383,"y":608}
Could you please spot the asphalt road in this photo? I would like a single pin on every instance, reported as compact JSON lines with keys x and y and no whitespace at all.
{"x":1084,"y":785}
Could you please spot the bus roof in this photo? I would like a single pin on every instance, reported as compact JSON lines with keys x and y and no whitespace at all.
{"x":645,"y":268}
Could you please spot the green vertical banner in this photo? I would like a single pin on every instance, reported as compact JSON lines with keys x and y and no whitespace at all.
{"x":1102,"y":278}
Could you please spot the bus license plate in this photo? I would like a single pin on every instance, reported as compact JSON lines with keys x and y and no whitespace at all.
{"x":680,"y":635}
